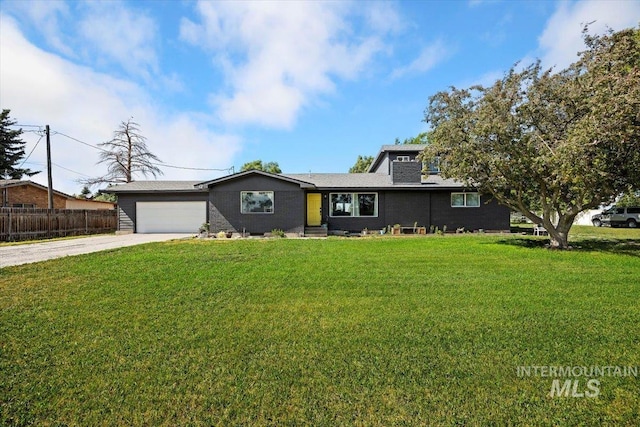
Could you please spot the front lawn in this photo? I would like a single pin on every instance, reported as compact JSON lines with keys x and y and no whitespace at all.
{"x":361,"y":331}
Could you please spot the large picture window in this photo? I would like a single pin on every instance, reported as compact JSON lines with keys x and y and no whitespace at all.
{"x":465,"y":200}
{"x":256,"y":202}
{"x":354,"y":204}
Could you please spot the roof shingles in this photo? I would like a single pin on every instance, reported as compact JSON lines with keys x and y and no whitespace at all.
{"x":319,"y":180}
{"x":153,"y":186}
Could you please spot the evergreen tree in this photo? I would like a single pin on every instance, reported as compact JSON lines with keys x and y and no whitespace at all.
{"x":11,"y":149}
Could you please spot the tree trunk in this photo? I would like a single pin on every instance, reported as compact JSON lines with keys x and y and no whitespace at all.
{"x":559,"y":235}
{"x":129,"y":154}
{"x":558,"y":239}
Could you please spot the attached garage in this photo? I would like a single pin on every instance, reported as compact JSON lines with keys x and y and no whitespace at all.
{"x":170,"y":217}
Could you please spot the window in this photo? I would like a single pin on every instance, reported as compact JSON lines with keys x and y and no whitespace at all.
{"x":24,"y":205}
{"x":433,"y":166}
{"x":354,"y":204}
{"x":465,"y":200}
{"x":633,"y":210}
{"x":403,"y":158}
{"x":256,"y":202}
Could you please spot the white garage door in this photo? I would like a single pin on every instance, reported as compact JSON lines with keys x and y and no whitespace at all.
{"x":170,"y":217}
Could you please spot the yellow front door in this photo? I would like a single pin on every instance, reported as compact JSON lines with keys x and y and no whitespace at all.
{"x":314,"y":209}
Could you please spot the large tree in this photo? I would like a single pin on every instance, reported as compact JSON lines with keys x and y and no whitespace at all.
{"x":361,"y":165}
{"x":548,"y":144}
{"x":631,"y":198}
{"x":271,"y":167}
{"x":421,"y":138}
{"x":126,"y":155}
{"x":11,"y":149}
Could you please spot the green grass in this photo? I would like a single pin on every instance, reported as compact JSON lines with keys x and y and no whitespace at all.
{"x":361,"y":331}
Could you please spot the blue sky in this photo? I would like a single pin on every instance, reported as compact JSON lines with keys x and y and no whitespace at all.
{"x":310,"y":85}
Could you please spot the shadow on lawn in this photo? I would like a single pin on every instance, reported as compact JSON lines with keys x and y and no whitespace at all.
{"x":629,"y":247}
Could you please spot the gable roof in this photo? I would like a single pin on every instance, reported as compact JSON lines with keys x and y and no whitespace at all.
{"x":317,"y":181}
{"x":373,"y":181}
{"x":397,"y":148}
{"x":282,"y":177}
{"x":8,"y":183}
{"x":154,"y":186}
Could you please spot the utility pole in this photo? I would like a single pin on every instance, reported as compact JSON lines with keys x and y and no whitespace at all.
{"x":49,"y":178}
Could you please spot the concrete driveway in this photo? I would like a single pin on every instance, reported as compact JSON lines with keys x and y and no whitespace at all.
{"x":35,"y":252}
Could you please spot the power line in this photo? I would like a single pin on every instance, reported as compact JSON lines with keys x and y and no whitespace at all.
{"x":193,"y":169}
{"x":59,"y":166}
{"x":28,"y":126}
{"x":31,"y":152}
{"x":70,"y":170}
{"x":81,"y":142}
{"x":155,"y":164}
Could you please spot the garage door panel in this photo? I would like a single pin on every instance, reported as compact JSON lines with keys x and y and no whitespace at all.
{"x":170,"y":217}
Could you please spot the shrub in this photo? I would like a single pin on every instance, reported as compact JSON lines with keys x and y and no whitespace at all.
{"x":276,"y":232}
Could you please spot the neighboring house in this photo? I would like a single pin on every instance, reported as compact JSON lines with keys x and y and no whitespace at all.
{"x":15,"y":193}
{"x":393,"y":192}
{"x":75,"y":203}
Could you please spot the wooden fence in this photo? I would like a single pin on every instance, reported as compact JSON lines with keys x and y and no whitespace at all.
{"x":31,"y":224}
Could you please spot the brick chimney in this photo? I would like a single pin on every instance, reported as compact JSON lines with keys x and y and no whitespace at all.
{"x":406,"y":172}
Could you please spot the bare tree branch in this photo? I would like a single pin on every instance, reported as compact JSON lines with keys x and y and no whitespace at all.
{"x":126,"y":156}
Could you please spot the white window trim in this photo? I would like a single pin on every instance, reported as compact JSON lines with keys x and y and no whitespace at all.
{"x":465,"y":205}
{"x":273,"y":200}
{"x":403,"y":158}
{"x":354,"y":197}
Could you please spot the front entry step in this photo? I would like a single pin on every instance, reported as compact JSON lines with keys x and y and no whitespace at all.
{"x":315,"y":232}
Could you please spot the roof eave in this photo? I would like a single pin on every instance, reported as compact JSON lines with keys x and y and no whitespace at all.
{"x":165,"y":190}
{"x":40,"y":186}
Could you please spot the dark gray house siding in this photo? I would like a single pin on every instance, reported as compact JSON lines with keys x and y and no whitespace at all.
{"x":488,"y":216}
{"x":127,"y":204}
{"x":385,"y":163}
{"x":353,"y":223}
{"x":407,"y":207}
{"x":394,"y":207}
{"x":390,"y":153}
{"x":288,"y":206}
{"x":426,"y":208}
{"x":383,"y":167}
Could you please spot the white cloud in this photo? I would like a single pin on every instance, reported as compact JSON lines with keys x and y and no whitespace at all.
{"x":279,"y":57}
{"x":42,"y":88}
{"x":101,"y":34}
{"x":123,"y":36}
{"x":44,"y":16}
{"x":561,"y":39}
{"x":475,"y":3}
{"x":428,"y":58}
{"x":383,"y":17}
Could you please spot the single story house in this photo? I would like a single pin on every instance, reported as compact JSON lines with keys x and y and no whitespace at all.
{"x":394,"y":191}
{"x":16,"y":193}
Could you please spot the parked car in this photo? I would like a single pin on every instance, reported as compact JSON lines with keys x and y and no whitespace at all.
{"x":618,"y":217}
